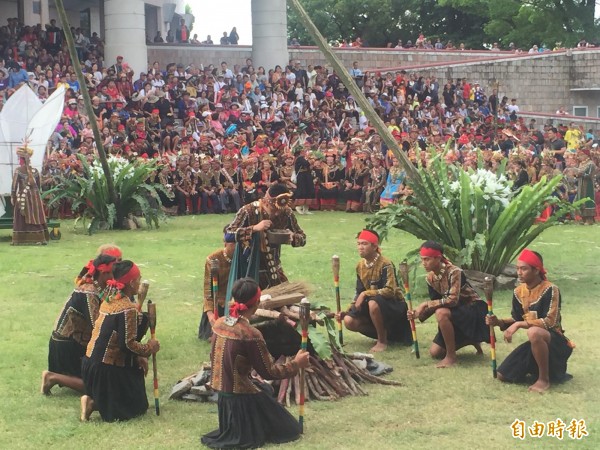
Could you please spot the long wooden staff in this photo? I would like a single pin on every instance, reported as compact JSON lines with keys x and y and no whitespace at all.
{"x":214,"y":287}
{"x":142,"y":293}
{"x":304,"y":320}
{"x":488,"y":287}
{"x":152,"y":323}
{"x":403,"y":271}
{"x":335,"y":265}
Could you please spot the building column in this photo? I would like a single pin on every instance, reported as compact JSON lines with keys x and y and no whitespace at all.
{"x":125,"y":34}
{"x":44,"y":13}
{"x":269,"y":34}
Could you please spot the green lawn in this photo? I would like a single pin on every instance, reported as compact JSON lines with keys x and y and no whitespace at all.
{"x":461,"y":407}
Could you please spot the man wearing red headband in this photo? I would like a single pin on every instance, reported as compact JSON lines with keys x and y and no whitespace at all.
{"x":74,"y":325}
{"x":249,"y":415}
{"x":378,"y":310}
{"x":536,"y":308}
{"x":115,"y":362}
{"x":459,"y":311}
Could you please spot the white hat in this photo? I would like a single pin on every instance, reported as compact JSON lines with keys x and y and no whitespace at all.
{"x":206,"y":114}
{"x":219,"y":105}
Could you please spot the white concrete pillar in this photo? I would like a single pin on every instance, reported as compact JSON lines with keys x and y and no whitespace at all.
{"x":125,"y":34}
{"x":44,"y":13}
{"x":269,"y":34}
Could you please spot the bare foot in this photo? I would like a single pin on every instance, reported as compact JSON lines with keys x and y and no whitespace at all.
{"x":379,"y":347}
{"x":539,"y":386}
{"x":478,"y":349}
{"x":46,"y":384}
{"x":87,"y":406}
{"x":446,"y":362}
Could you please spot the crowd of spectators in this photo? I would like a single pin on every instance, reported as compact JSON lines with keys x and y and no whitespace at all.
{"x":224,"y":133}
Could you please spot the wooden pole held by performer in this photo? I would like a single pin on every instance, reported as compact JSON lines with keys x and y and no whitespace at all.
{"x":142,"y":293}
{"x":214,"y":277}
{"x":152,"y":324}
{"x":335,"y":265}
{"x":304,"y":321}
{"x":488,"y":288}
{"x":403,"y":271}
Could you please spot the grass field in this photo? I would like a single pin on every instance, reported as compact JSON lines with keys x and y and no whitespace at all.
{"x":456,"y":408}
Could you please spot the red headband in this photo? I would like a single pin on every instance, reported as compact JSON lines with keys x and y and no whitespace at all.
{"x":119,"y":284}
{"x":431,"y":252}
{"x":533,"y":260}
{"x":237,"y":308}
{"x":114,"y":251}
{"x":368,"y":236}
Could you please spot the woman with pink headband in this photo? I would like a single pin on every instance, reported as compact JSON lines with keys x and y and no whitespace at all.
{"x":249,"y":415}
{"x":116,"y":362}
{"x":535,"y":308}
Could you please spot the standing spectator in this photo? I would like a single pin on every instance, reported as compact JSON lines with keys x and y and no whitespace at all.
{"x":208,"y":41}
{"x":183,"y":33}
{"x":233,"y":36}
{"x":170,"y":37}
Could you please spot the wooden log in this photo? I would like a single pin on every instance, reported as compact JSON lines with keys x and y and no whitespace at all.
{"x":340,"y":390}
{"x":201,"y":390}
{"x":297,"y":389}
{"x":283,"y":390}
{"x":194,"y":398}
{"x":312,"y":388}
{"x":346,"y":375}
{"x":281,"y":300}
{"x":277,"y":315}
{"x":288,"y":392}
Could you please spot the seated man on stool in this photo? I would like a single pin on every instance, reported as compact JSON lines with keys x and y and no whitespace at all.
{"x":378,"y":310}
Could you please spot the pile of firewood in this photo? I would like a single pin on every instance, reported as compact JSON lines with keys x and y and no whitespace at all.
{"x":277,"y":318}
{"x":329,"y":379}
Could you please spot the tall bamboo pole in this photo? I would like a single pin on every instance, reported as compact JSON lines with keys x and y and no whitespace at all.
{"x":64,"y":21}
{"x":343,"y":73}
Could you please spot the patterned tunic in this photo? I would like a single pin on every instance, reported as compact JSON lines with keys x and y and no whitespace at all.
{"x":115,"y":338}
{"x":237,"y":349}
{"x":223,"y":278}
{"x":271,"y":273}
{"x":450,"y":288}
{"x":380,"y":279}
{"x":76,"y":320}
{"x":539,"y":307}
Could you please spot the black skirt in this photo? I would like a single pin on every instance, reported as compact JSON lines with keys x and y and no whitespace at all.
{"x":251,"y":421}
{"x":520,"y":363}
{"x":119,"y":393}
{"x":394,"y":318}
{"x":64,"y":356}
{"x":305,"y":189}
{"x":205,"y":329}
{"x":469,"y":325}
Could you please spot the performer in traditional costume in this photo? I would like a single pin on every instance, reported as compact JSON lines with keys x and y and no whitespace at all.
{"x":29,"y":220}
{"x":459,"y":311}
{"x":305,"y":190}
{"x":330,"y":188}
{"x":223,"y":258}
{"x":378,"y":310}
{"x":249,"y":415}
{"x":377,"y":181}
{"x":250,"y":227}
{"x":356,"y":181}
{"x":229,"y":180}
{"x":535,"y":307}
{"x":116,"y":361}
{"x":73,"y":328}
